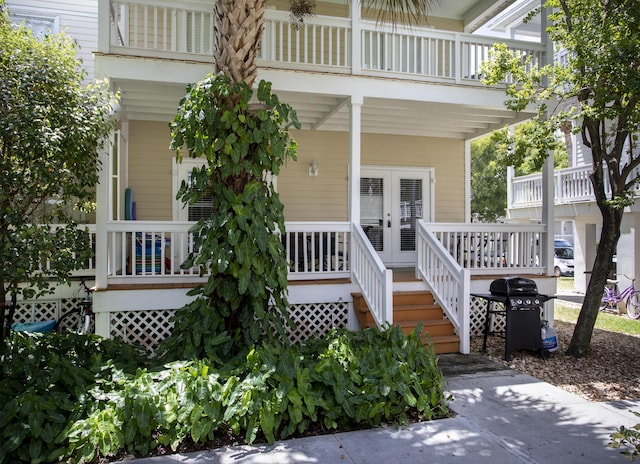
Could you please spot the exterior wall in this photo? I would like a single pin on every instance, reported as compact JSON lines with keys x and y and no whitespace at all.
{"x":150,"y":170}
{"x":446,"y":156}
{"x":306,"y":198}
{"x":324,"y":197}
{"x":77,"y":18}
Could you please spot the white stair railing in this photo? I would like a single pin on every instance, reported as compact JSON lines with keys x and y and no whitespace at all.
{"x":371,"y":275}
{"x":448,"y":281}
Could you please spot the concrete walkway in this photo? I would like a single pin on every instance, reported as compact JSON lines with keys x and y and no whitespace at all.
{"x":501,"y":416}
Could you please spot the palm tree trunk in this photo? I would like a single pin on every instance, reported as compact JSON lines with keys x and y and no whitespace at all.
{"x":238,"y":32}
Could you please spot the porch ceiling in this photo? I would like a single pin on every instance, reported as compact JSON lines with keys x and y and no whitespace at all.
{"x":159,"y":102}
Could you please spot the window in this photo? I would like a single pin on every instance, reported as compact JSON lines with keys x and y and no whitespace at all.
{"x":40,"y":25}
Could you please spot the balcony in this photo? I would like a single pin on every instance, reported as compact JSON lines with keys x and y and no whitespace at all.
{"x":185,"y":31}
{"x":571,"y":186}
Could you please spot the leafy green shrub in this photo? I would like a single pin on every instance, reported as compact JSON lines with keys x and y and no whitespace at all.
{"x":628,"y":439}
{"x":345,"y":380}
{"x":44,"y":384}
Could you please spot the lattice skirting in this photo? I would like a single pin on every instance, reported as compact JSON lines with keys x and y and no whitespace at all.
{"x":477,"y":318}
{"x":145,"y":328}
{"x":316,"y":319}
{"x":44,"y":309}
{"x":148,"y":328}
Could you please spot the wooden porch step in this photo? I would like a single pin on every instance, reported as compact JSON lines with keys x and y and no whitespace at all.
{"x":410,"y":309}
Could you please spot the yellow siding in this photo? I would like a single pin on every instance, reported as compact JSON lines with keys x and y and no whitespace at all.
{"x":445,"y":155}
{"x":324,"y":198}
{"x":306,"y":198}
{"x":150,"y":170}
{"x":320,"y":198}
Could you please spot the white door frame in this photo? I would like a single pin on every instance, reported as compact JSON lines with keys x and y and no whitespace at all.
{"x":391,"y":254}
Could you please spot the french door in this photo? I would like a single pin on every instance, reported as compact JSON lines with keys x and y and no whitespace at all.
{"x":392,"y":200}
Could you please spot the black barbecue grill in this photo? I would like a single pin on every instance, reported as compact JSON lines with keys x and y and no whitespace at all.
{"x":520,"y":306}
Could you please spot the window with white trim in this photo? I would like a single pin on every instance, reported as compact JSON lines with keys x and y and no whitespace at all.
{"x":40,"y":25}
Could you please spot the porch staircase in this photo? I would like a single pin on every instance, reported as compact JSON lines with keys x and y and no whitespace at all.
{"x":411,"y":308}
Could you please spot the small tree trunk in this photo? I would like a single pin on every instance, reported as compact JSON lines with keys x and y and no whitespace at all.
{"x":581,"y":339}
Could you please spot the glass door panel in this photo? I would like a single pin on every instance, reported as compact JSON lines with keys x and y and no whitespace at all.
{"x":410,"y":208}
{"x":372,"y":210}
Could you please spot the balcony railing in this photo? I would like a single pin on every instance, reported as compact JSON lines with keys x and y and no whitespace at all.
{"x":185,"y":30}
{"x":571,"y":185}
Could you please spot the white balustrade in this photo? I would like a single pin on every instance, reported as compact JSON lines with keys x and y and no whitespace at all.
{"x":449,"y":282}
{"x":145,"y":250}
{"x":186,"y":30}
{"x":317,"y":250}
{"x":571,"y":185}
{"x":373,"y":278}
{"x":493,"y":248}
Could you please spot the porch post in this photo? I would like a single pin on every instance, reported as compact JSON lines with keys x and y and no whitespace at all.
{"x":467,"y":181}
{"x":354,"y":158}
{"x":547,"y":168}
{"x":356,"y":38}
{"x":104,"y":26}
{"x":102,"y":214}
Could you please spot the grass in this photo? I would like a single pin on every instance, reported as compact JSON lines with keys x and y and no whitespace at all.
{"x":605,"y":321}
{"x":564,"y":283}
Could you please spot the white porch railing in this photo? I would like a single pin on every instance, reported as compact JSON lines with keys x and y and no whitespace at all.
{"x":145,"y":251}
{"x":571,"y":185}
{"x":140,"y":250}
{"x":371,"y":275}
{"x":185,"y":30}
{"x":493,"y":248}
{"x":90,"y":264}
{"x":449,"y":282}
{"x":317,"y":250}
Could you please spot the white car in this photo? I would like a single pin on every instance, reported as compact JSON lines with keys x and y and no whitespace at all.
{"x":563,"y":261}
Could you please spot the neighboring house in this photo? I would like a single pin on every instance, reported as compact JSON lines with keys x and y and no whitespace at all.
{"x":381,"y":185}
{"x":576,"y":214}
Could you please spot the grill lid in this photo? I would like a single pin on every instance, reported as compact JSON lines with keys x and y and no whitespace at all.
{"x":513,"y":286}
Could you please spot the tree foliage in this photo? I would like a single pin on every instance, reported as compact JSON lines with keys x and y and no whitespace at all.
{"x":490,"y":157}
{"x":598,"y":87}
{"x":50,"y":130}
{"x":239,"y":245}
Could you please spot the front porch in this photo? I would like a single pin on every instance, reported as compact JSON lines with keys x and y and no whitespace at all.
{"x":329,"y":262}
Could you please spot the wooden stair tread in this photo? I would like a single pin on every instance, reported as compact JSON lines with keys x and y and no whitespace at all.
{"x":425,"y":322}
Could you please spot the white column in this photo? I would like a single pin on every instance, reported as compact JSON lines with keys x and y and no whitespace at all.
{"x":355,"y":107}
{"x":511,"y":172}
{"x":102,"y":215}
{"x":547,"y":168}
{"x":584,"y":253}
{"x":547,"y":211}
{"x":467,"y":181}
{"x":628,"y":259}
{"x":356,"y":38}
{"x":104,"y":26}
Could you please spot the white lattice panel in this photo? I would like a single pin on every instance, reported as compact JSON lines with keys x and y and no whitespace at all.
{"x":146,"y":328}
{"x":316,"y":319}
{"x":37,"y":311}
{"x":477,"y":318}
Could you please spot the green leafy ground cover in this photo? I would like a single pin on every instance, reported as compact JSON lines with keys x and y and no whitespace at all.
{"x":83,"y":397}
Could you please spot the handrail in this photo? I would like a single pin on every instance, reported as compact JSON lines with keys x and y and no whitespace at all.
{"x":494,"y":248}
{"x":449,"y":282}
{"x":373,"y":278}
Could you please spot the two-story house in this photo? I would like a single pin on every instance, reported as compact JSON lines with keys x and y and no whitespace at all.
{"x":379,"y":199}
